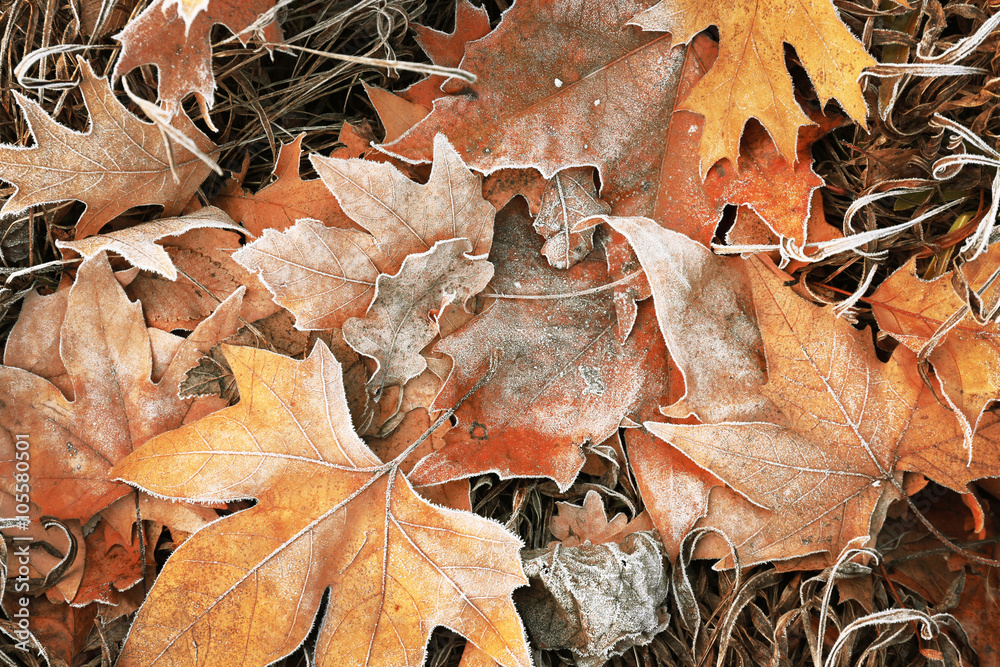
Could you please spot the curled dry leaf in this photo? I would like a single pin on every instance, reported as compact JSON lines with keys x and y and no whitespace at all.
{"x":750,"y":74}
{"x":564,"y":379}
{"x":825,"y":479}
{"x":118,"y":163}
{"x":706,"y":314}
{"x":406,"y":217}
{"x":570,"y":199}
{"x":289,"y":198}
{"x":329,"y":515}
{"x":176,"y":38}
{"x":402,"y":318}
{"x":138,"y":244}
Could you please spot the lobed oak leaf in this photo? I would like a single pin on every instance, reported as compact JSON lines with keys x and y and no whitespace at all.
{"x":966,"y":358}
{"x":118,"y":163}
{"x":289,"y":198}
{"x":329,"y":515}
{"x":175,"y":35}
{"x":105,"y":349}
{"x":750,"y":79}
{"x":137,"y":244}
{"x":821,"y":480}
{"x":564,"y":380}
{"x":323,"y":275}
{"x":406,"y":217}
{"x":402,"y":318}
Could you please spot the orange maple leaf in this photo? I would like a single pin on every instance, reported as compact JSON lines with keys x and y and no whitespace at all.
{"x":120,"y":162}
{"x":329,"y":515}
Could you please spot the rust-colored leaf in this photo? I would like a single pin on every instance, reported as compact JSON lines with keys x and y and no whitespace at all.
{"x":329,"y":515}
{"x":564,"y":379}
{"x":118,"y":163}
{"x":289,"y":198}
{"x":967,"y":356}
{"x":402,"y":318}
{"x":750,"y":79}
{"x":177,"y":40}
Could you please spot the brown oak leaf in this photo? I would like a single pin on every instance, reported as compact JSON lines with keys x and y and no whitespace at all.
{"x":574,"y":525}
{"x":177,"y":41}
{"x":564,"y":379}
{"x":329,"y":515}
{"x":118,"y":163}
{"x":105,"y":349}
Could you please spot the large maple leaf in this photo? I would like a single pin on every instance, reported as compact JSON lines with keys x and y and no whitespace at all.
{"x":120,"y":162}
{"x":105,"y":349}
{"x":329,"y":515}
{"x":750,"y":80}
{"x":850,"y":419}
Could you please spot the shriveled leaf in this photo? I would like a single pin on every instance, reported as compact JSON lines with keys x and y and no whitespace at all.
{"x":323,"y":275}
{"x":706,"y":314}
{"x":118,"y":163}
{"x":281,"y":203}
{"x":138,"y":244}
{"x":406,"y":217}
{"x":105,"y":349}
{"x":750,"y":80}
{"x":823,"y":477}
{"x":402,"y":318}
{"x":176,"y":39}
{"x":329,"y":515}
{"x":563,"y":379}
{"x":570,"y":199}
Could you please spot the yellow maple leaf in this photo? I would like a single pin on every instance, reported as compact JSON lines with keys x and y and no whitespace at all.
{"x":749,"y":80}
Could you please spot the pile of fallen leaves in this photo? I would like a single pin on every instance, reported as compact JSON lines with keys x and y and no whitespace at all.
{"x":334,"y":332}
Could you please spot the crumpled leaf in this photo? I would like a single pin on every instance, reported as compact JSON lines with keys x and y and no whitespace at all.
{"x":596,"y":600}
{"x":137,"y":244}
{"x":563,"y":379}
{"x":823,"y":477}
{"x":569,"y":199}
{"x":106,"y":350}
{"x":118,"y":163}
{"x":402,"y":318}
{"x":281,"y":203}
{"x":175,"y":36}
{"x":750,"y":80}
{"x":329,"y":515}
{"x":406,"y":217}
